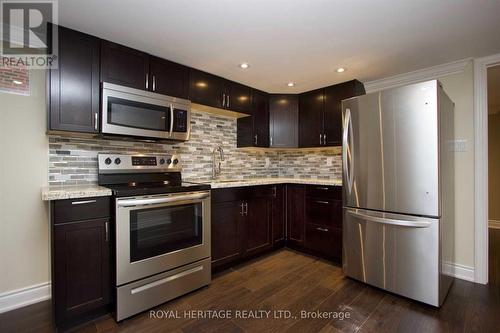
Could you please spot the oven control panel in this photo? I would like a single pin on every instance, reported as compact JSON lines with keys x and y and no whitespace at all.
{"x":122,"y":163}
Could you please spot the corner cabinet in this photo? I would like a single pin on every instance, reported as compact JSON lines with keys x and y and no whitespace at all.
{"x":73,"y":88}
{"x":283,"y":121}
{"x":81,"y":263}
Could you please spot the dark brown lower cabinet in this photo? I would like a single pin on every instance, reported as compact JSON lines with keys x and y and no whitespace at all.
{"x":295,"y":215}
{"x":257,"y":225}
{"x":226,"y":232}
{"x":278,"y":215}
{"x":80,"y":260}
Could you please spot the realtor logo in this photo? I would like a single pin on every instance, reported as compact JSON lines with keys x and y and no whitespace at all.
{"x":27,"y":36}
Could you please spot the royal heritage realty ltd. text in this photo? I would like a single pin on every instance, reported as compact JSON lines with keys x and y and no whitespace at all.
{"x":248,"y":314}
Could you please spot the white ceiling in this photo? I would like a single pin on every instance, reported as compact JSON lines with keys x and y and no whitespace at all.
{"x":295,"y":40}
{"x":494,"y":89}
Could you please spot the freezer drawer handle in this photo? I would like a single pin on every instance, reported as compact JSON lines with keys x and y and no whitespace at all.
{"x":165,"y":280}
{"x":401,"y":223}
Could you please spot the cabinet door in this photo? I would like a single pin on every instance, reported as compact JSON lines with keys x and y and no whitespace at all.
{"x":74,"y":86}
{"x":283,"y":123}
{"x":226,"y":232}
{"x":295,"y":206}
{"x":206,"y":89}
{"x":240,"y":97}
{"x":333,"y":109}
{"x":323,"y":241}
{"x":258,"y":225}
{"x":311,"y":118}
{"x":278,"y":214}
{"x":169,"y":78}
{"x":244,"y":132}
{"x":260,"y":111}
{"x":124,"y":66}
{"x":81,"y":268}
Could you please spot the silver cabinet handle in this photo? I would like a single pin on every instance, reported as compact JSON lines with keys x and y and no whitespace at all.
{"x":274,"y":191}
{"x":96,"y":121}
{"x":256,"y":138}
{"x":320,"y":139}
{"x":228,"y":99}
{"x":322,"y":188}
{"x":106,"y":226}
{"x":161,"y":199}
{"x":246,"y":208}
{"x":324,"y":139}
{"x":271,"y":140}
{"x":171,"y":119}
{"x":322,"y":229}
{"x":323,"y":202}
{"x":242,"y":212}
{"x":84,"y":202}
{"x":154,"y":82}
{"x":147,"y":81}
{"x":395,"y":222}
{"x":223,"y":99}
{"x":165,"y":280}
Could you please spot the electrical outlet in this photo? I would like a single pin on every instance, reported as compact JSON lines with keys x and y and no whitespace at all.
{"x":458,"y":145}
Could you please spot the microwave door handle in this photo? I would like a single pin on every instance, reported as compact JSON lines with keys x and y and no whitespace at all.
{"x":171,"y":119}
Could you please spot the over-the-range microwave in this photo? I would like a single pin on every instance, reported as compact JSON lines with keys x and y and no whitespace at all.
{"x":143,"y":114}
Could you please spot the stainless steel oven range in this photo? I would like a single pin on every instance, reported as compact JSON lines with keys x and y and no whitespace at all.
{"x":162,"y":229}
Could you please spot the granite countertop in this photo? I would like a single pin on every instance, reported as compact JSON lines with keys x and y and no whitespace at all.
{"x":224,"y":183}
{"x":73,"y":192}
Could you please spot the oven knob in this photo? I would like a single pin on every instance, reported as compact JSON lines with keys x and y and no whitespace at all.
{"x":162,"y":161}
{"x":117,"y":160}
{"x":169,"y":161}
{"x":176,"y":161}
{"x":107,"y":161}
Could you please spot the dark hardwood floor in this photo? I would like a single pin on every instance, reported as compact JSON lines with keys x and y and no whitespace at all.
{"x":286,"y":280}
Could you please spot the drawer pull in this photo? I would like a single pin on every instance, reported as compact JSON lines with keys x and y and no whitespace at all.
{"x":323,"y":202}
{"x":322,"y":188}
{"x":83,"y":202}
{"x":322,"y":229}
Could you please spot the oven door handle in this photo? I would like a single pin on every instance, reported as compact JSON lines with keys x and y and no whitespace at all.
{"x":161,"y":200}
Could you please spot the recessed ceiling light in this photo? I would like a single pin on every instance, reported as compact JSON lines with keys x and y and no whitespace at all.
{"x":17,"y":82}
{"x":291,"y":84}
{"x":340,"y":70}
{"x":244,"y":65}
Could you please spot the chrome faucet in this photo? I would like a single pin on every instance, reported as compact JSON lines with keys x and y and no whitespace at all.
{"x":216,"y":170}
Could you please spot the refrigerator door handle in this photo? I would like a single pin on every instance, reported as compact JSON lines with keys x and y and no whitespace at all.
{"x":348,"y":149}
{"x":389,"y":221}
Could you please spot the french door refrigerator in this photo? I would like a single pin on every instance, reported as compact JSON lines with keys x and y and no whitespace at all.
{"x":398,"y":190}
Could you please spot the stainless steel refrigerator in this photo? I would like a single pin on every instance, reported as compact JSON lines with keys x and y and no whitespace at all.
{"x":398,"y":190}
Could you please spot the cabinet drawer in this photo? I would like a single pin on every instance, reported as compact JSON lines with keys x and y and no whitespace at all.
{"x":325,"y":212}
{"x":242,"y":193}
{"x":324,"y":241}
{"x":325,"y":192}
{"x":80,"y":209}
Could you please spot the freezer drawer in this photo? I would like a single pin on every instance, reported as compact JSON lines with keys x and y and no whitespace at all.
{"x":397,"y":253}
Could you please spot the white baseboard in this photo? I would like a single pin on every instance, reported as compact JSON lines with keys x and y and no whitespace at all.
{"x":25,"y":296}
{"x":458,"y":271}
{"x":494,"y":224}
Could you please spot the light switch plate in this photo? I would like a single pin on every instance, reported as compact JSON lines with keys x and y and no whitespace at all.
{"x":458,"y":145}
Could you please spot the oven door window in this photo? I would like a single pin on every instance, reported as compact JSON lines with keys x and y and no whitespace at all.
{"x":162,"y":230}
{"x":138,"y":115}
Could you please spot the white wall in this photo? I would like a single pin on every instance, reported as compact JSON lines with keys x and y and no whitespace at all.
{"x":24,"y":229}
{"x":460,"y":88}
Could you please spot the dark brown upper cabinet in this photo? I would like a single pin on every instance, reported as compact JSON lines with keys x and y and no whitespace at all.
{"x":206,"y":89}
{"x":169,"y":78}
{"x":73,"y":88}
{"x":311,"y":109}
{"x":283,"y":121}
{"x":238,"y":97}
{"x":124,"y":66}
{"x":253,"y":131}
{"x":320,"y":114}
{"x":333,"y":109}
{"x":217,"y":92}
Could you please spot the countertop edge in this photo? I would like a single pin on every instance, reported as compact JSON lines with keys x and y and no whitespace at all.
{"x":62,"y":193}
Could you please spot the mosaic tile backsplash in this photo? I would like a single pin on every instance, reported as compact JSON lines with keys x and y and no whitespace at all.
{"x":73,"y":161}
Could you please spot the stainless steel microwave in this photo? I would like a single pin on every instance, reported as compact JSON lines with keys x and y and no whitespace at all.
{"x":143,"y":114}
